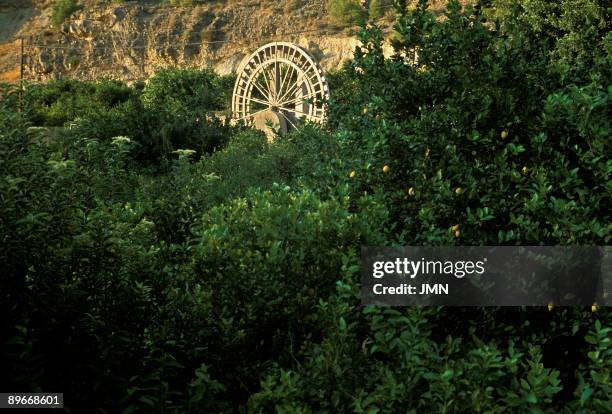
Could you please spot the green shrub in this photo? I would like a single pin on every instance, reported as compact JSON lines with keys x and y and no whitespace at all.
{"x":250,"y":161}
{"x":440,"y":360}
{"x":515,"y":159}
{"x":484,"y":100}
{"x":401,"y":358}
{"x":265,"y":259}
{"x":62,"y":9}
{"x":374,"y":9}
{"x":56,"y":240}
{"x":225,"y":278}
{"x":59,"y":102}
{"x":347,"y":12}
{"x":247,"y":162}
{"x":174,"y":110}
{"x":184,"y":92}
{"x":181,"y":104}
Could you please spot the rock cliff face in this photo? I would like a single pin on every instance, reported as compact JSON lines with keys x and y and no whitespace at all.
{"x":132,"y":40}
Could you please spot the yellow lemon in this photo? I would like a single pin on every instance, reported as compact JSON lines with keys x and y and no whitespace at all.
{"x":458,"y":190}
{"x":352,"y":174}
{"x":550,"y":307}
{"x":455,"y":227}
{"x":504,"y":134}
{"x":386,"y":169}
{"x":525,"y":170}
{"x":457,"y":233}
{"x":411,"y":191}
{"x":365,"y":110}
{"x":594,"y":307}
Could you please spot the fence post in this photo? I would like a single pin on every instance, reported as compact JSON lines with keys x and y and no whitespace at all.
{"x":22,"y":62}
{"x":21,"y":86}
{"x":143,"y":63}
{"x":144,"y":56}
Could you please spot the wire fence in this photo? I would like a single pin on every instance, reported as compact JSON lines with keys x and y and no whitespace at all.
{"x":59,"y":55}
{"x":87,"y":60}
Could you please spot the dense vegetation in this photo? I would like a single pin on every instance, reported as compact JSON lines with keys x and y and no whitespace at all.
{"x":62,"y":9}
{"x":155,"y":260}
{"x":349,"y":12}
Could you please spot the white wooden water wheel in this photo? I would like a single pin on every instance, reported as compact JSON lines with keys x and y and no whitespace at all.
{"x":280,"y":82}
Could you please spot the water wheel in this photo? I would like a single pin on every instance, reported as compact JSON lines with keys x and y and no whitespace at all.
{"x":279,"y":83}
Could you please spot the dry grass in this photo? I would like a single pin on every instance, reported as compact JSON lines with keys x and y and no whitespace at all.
{"x":291,"y":6}
{"x":6,"y":48}
{"x":12,"y":76}
{"x":9,"y":54}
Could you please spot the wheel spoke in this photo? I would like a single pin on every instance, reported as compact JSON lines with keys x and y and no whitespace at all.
{"x":288,"y":120}
{"x":298,"y":99}
{"x":260,"y":90}
{"x":294,"y":88}
{"x":264,"y":72}
{"x":257,"y":100}
{"x":251,"y":115}
{"x":294,"y":111}
{"x":290,"y":79}
{"x":277,"y":77}
{"x":273,"y":81}
{"x":285,"y":78}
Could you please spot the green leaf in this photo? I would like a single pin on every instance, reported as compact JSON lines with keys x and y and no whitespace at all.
{"x":342,"y":324}
{"x":586,"y":393}
{"x":525,"y":385}
{"x":448,"y":374}
{"x":531,"y":397}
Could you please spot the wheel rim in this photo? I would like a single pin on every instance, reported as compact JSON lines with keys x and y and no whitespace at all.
{"x":283,"y":78}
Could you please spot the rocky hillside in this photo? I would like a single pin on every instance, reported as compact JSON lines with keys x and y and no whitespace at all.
{"x":132,"y":40}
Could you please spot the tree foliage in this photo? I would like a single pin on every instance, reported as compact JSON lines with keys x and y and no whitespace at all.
{"x":345,"y":11}
{"x":62,"y":9}
{"x":155,"y":260}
